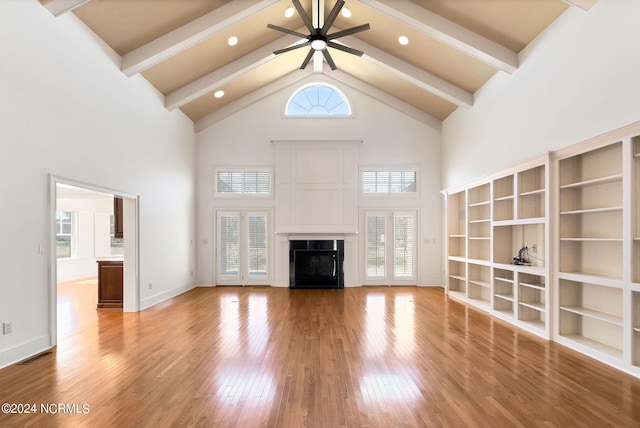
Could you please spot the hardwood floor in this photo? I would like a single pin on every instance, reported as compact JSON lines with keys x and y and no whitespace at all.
{"x":274,"y":357}
{"x":77,"y":301}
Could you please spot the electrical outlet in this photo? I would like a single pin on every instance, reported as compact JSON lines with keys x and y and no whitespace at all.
{"x":150,"y":286}
{"x":534,"y":248}
{"x":7,"y":327}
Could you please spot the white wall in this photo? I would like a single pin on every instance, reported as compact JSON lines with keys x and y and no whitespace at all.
{"x":83,"y":262}
{"x":579,"y":79}
{"x":67,"y":110}
{"x":389,"y":138}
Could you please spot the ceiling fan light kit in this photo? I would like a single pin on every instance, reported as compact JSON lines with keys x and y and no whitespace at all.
{"x":318,"y":38}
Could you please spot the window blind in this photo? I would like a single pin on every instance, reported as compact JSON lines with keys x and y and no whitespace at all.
{"x":375,"y":245}
{"x":389,"y":181}
{"x":404,"y":245}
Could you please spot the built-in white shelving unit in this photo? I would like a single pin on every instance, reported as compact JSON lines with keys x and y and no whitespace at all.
{"x":489,"y":222}
{"x":577,"y":210}
{"x":593,"y":246}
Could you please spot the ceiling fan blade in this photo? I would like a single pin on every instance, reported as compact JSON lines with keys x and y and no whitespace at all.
{"x":348,"y":31}
{"x":327,"y":56}
{"x":307,"y":59}
{"x":290,"y":48}
{"x":332,"y":17}
{"x":304,"y":16}
{"x":287,"y":31}
{"x":345,"y":48}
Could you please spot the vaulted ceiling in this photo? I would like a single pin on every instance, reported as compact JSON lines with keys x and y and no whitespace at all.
{"x":182,"y":48}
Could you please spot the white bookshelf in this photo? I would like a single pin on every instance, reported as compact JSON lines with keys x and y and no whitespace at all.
{"x":596,"y":248}
{"x":577,"y":210}
{"x":504,"y":213}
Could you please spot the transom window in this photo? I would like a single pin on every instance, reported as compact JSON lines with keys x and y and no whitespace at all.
{"x":318,"y":99}
{"x":383,"y":181}
{"x":243,"y":182}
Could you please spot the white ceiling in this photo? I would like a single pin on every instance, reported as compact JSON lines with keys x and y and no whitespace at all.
{"x":180,"y":47}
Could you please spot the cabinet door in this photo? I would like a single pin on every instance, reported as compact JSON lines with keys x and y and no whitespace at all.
{"x":118,"y":221}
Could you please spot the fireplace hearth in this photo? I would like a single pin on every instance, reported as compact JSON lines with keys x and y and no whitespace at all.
{"x":316,"y":264}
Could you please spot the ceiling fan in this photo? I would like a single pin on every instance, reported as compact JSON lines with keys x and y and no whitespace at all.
{"x":319,"y":38}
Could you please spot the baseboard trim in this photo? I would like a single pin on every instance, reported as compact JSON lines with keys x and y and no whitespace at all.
{"x":26,"y":349}
{"x":165,"y":295}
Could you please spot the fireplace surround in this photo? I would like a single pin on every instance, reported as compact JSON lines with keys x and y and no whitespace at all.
{"x":316,"y":264}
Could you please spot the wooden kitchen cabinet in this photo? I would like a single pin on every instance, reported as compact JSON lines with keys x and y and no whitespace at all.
{"x":110,"y":280}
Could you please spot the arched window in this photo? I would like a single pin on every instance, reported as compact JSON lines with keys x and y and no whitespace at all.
{"x":318,"y":99}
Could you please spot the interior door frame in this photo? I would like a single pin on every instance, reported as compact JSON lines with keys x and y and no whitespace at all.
{"x":131,"y":284}
{"x":244,"y":280}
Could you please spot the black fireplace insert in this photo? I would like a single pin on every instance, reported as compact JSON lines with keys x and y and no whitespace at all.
{"x":316,"y":264}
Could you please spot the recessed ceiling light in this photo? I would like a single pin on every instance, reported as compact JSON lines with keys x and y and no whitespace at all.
{"x":289,"y":12}
{"x":346,"y":12}
{"x":219,"y":94}
{"x":233,"y":40}
{"x":403,"y":40}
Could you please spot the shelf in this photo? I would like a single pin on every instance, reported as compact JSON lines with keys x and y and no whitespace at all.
{"x":482,"y":220}
{"x":592,"y":210}
{"x":602,"y":280}
{"x":533,"y":192}
{"x":457,"y":236}
{"x":508,"y":297}
{"x":534,"y":270}
{"x":480,"y":283}
{"x":593,"y":182}
{"x":504,"y":198}
{"x":457,"y":294}
{"x":457,"y":258}
{"x":509,"y":280}
{"x":458,"y":277}
{"x":479,"y":204}
{"x":472,"y":238}
{"x":601,"y":316}
{"x":597,"y":346}
{"x":534,"y":305}
{"x":536,"y":286}
{"x":482,"y":262}
{"x":592,"y":239}
{"x":520,"y":222}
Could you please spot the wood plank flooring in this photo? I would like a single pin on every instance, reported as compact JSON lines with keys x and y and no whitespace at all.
{"x":274,"y":357}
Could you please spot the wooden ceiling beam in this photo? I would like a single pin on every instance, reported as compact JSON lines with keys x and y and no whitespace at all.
{"x":60,"y":7}
{"x":448,"y":32}
{"x":582,"y":4}
{"x":216,"y":79}
{"x":412,"y":74}
{"x":190,"y":34}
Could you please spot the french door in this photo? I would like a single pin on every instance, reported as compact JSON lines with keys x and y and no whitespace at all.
{"x":242,"y":248}
{"x":390,"y":252}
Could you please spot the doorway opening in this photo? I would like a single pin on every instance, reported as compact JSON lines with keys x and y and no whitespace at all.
{"x":91,"y":227}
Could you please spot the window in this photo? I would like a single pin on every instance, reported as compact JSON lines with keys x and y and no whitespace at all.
{"x":318,"y":99}
{"x":375,"y":245}
{"x":384,"y":181}
{"x":242,"y":248}
{"x":403,"y":243}
{"x":257,"y":248}
{"x":390,"y":247}
{"x":64,"y":233}
{"x":241,"y":182}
